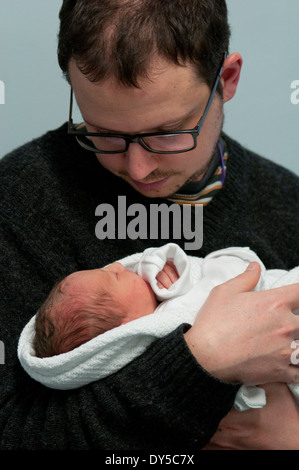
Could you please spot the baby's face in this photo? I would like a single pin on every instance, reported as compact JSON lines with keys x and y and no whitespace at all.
{"x":130,"y":292}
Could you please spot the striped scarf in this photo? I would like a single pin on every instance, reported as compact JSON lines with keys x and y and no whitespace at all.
{"x":214,"y":184}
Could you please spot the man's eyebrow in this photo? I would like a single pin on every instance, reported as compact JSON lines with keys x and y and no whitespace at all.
{"x":159,"y":128}
{"x":167,"y":126}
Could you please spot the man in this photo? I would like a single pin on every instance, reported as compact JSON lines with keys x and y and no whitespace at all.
{"x":150,"y":79}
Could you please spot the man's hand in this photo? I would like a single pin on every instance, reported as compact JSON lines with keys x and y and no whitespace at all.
{"x":274,"y":427}
{"x":246,"y":336}
{"x":167,"y":276}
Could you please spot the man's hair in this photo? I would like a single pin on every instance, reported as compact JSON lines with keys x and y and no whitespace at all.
{"x":61,"y":325}
{"x":121,"y":37}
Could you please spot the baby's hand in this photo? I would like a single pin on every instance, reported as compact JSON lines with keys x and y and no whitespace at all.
{"x":167,"y":276}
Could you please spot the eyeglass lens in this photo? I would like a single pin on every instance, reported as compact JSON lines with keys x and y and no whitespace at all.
{"x":166,"y":143}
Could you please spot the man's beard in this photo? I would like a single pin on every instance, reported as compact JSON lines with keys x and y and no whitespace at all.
{"x":197,"y":176}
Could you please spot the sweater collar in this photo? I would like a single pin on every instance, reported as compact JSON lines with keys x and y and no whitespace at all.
{"x":203,"y":191}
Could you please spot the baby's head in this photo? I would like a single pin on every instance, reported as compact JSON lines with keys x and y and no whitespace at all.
{"x":88,"y":303}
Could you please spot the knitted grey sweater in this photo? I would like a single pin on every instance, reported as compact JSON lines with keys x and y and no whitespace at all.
{"x":164,"y":400}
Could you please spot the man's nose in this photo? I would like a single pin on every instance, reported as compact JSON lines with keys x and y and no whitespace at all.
{"x":139,"y":162}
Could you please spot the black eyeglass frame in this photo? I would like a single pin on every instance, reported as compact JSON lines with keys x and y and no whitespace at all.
{"x":137,"y":138}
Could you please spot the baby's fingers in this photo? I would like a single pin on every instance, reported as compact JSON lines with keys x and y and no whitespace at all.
{"x":167,"y":276}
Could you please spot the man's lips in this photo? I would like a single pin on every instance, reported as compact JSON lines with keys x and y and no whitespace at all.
{"x":150,"y":186}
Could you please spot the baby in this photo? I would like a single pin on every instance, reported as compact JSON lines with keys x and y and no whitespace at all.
{"x":88,"y":303}
{"x":95,"y":322}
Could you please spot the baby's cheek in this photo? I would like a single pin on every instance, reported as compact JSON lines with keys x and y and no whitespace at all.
{"x":149,"y":299}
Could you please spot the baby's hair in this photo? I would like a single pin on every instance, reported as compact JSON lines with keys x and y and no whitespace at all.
{"x":61,"y":325}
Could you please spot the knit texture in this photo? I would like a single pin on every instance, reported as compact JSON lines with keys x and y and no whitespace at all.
{"x":49,"y":190}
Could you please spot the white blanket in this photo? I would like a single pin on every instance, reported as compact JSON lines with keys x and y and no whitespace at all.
{"x":109,"y":352}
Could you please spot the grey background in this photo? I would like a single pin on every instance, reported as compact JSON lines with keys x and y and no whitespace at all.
{"x":261,"y":115}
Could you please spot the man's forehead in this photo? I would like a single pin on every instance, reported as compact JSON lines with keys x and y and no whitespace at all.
{"x":170,"y":96}
{"x":162,"y":75}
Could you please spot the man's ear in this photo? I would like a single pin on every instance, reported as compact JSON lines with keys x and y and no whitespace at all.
{"x":230,"y":75}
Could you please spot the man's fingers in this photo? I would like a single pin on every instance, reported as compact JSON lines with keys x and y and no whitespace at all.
{"x":291,"y":295}
{"x":292,"y":374}
{"x":246,"y":281}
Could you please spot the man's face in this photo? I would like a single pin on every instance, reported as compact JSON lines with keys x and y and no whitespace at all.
{"x":173,"y":99}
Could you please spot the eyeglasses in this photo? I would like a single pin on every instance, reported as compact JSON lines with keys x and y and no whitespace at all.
{"x":157,"y":142}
